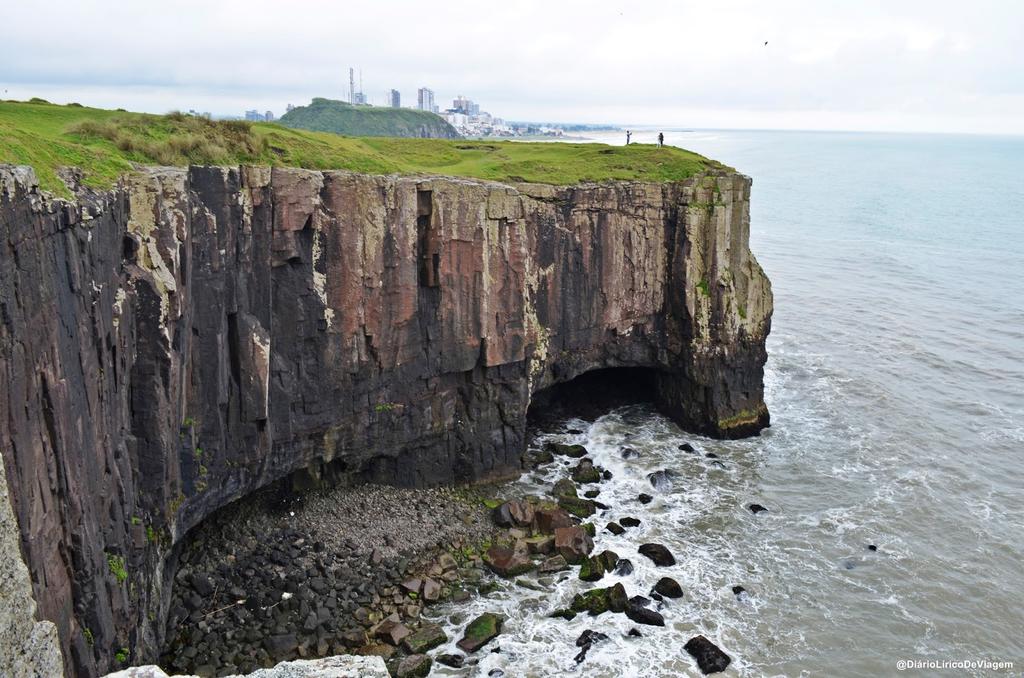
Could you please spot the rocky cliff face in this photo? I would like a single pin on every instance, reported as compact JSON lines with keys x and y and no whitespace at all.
{"x":176,"y":343}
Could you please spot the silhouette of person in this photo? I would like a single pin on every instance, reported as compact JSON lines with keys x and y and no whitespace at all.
{"x":628,"y":135}
{"x":661,"y":139}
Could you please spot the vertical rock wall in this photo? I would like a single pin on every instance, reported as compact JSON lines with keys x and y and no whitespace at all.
{"x":176,"y":343}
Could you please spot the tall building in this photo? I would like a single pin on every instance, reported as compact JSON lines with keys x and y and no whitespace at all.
{"x":354,"y":97}
{"x":253,"y":115}
{"x":462,"y":105}
{"x":395,"y":99}
{"x":425,"y":100}
{"x":269,"y":116}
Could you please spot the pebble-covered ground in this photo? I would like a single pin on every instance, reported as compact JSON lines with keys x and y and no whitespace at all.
{"x":279,"y":576}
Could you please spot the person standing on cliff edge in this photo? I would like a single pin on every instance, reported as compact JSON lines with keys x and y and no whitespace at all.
{"x":628,"y":135}
{"x":661,"y":139}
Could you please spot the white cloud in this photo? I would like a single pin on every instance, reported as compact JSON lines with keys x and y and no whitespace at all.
{"x":912,"y":65}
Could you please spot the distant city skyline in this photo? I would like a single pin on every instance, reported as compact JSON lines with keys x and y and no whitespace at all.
{"x":871,"y":65}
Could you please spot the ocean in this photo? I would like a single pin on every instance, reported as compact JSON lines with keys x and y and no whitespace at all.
{"x":895,"y":382}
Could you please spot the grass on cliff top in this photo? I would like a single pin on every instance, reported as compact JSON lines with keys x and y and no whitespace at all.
{"x":105,"y":144}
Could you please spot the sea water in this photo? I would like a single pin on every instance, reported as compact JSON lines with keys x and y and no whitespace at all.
{"x":895,"y":382}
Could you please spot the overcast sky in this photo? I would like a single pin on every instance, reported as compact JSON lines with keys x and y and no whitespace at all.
{"x":898,"y":65}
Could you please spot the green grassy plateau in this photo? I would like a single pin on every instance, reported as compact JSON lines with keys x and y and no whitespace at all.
{"x":326,"y":115}
{"x":105,"y":144}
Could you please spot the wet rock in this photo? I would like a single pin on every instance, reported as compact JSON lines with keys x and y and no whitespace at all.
{"x":574,"y":451}
{"x":629,"y":453}
{"x":872,"y":547}
{"x":711,"y":455}
{"x":663,"y":480}
{"x":642,"y":615}
{"x":756,"y":508}
{"x":615,"y":528}
{"x":588,"y":639}
{"x":687,"y":447}
{"x":573,"y":543}
{"x":414,"y":666}
{"x":737,"y":590}
{"x":553,"y":564}
{"x":564,"y":488}
{"x":609,"y":559}
{"x":585,"y":472}
{"x":425,"y":639}
{"x":548,"y":520}
{"x":455,"y":661}
{"x":480,"y":631}
{"x":644,"y":498}
{"x":567,"y":615}
{"x":710,"y":658}
{"x":509,"y":561}
{"x":592,"y":569}
{"x":592,"y":494}
{"x":599,"y":601}
{"x":629,"y":522}
{"x":660,"y":555}
{"x":669,"y":587}
{"x":581,"y":508}
{"x":574,"y":431}
{"x":534,"y":457}
{"x":635,"y":633}
{"x":624,"y":567}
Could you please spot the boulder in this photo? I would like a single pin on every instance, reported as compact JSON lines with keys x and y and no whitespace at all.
{"x":687,"y":447}
{"x":515,"y":513}
{"x":660,"y":555}
{"x":592,"y":494}
{"x":455,"y":661}
{"x":431,"y":590}
{"x":425,"y":639}
{"x":609,"y":559}
{"x":581,"y":508}
{"x":509,"y":561}
{"x":564,"y":488}
{"x":548,"y":520}
{"x":587,"y":640}
{"x":624,"y":567}
{"x":629,"y":453}
{"x":615,"y":528}
{"x":414,"y":666}
{"x":710,"y":658}
{"x":669,"y":587}
{"x":573,"y":543}
{"x":553,"y":564}
{"x":599,"y":601}
{"x":642,"y":615}
{"x":480,"y":631}
{"x":663,"y":480}
{"x":574,"y":451}
{"x":630,"y":522}
{"x":586,"y":472}
{"x":412,"y":585}
{"x":644,"y":498}
{"x":755,"y":509}
{"x":543,"y":544}
{"x":737,"y":590}
{"x":592,"y":569}
{"x":391,"y":630}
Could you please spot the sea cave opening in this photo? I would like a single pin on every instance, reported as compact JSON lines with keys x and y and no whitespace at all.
{"x":593,"y":394}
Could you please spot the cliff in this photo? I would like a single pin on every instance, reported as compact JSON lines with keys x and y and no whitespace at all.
{"x":338,"y":117}
{"x":192,"y":335}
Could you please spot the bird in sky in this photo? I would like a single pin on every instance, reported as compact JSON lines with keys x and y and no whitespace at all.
{"x":766,"y":42}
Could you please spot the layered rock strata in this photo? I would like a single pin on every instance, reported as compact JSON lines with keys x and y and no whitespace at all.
{"x":192,"y":335}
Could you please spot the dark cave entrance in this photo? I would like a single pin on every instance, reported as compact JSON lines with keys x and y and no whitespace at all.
{"x":593,"y":394}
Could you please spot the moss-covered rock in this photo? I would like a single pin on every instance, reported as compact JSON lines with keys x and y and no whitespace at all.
{"x":480,"y":631}
{"x":564,"y":488}
{"x":592,"y":569}
{"x":425,"y":639}
{"x":574,"y":451}
{"x":581,"y":508}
